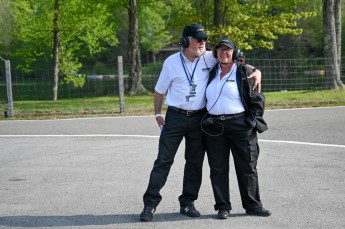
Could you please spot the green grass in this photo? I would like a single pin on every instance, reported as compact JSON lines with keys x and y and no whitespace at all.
{"x":143,"y":105}
{"x":296,"y":99}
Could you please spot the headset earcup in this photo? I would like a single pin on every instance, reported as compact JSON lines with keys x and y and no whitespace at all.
{"x":184,"y":42}
{"x":215,"y":54}
{"x":235,"y":55}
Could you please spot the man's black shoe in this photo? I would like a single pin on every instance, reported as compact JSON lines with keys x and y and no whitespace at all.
{"x":147,"y":214}
{"x":259,"y":212}
{"x":223,"y":214}
{"x":190,"y":211}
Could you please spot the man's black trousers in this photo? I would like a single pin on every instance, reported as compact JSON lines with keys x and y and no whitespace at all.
{"x":178,"y":126}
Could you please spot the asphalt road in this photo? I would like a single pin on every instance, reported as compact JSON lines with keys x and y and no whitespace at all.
{"x":92,"y":173}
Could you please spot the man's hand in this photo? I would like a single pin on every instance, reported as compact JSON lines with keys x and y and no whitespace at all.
{"x":158,"y":103}
{"x":160,"y":120}
{"x":257,"y":77}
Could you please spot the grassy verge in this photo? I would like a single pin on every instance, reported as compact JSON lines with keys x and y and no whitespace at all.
{"x":297,"y":99}
{"x":143,"y":105}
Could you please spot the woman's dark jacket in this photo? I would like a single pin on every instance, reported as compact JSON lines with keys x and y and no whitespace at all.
{"x":253,"y":101}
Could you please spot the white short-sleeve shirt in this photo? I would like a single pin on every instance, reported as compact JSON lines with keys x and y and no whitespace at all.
{"x":173,"y":80}
{"x":222,"y":95}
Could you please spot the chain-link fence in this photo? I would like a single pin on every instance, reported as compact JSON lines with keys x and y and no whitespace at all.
{"x":102,"y":79}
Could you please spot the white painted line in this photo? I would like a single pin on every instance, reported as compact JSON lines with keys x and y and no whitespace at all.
{"x":152,"y":136}
{"x":75,"y":135}
{"x":74,"y":119}
{"x":304,"y":108}
{"x":303,"y":143}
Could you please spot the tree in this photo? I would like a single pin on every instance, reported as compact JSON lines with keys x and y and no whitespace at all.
{"x":256,"y":23}
{"x":135,"y":83}
{"x":59,"y":30}
{"x":332,"y":42}
{"x":153,"y":32}
{"x":56,"y":38}
{"x":251,"y":23}
{"x":308,"y":44}
{"x":5,"y":25}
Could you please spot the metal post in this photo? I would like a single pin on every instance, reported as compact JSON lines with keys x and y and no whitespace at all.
{"x":10,"y":113}
{"x":121,"y":84}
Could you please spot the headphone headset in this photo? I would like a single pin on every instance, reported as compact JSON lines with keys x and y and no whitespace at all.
{"x":235,"y":54}
{"x":184,"y":41}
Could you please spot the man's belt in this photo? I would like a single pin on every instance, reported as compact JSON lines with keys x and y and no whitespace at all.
{"x":228,"y":116}
{"x":186,"y":112}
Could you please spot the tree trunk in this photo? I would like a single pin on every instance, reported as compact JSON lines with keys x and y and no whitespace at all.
{"x":220,"y":9}
{"x":331,"y":26}
{"x":217,"y":15}
{"x":56,"y":34}
{"x":135,"y":83}
{"x":337,"y":16}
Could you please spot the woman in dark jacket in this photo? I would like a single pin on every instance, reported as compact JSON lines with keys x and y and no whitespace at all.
{"x":235,"y":115}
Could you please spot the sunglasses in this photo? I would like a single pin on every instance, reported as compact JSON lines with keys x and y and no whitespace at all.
{"x":201,"y":40}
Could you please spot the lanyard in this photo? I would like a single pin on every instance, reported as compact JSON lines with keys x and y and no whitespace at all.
{"x":185,"y":70}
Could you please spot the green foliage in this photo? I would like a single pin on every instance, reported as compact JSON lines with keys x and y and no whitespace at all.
{"x":85,"y":24}
{"x":74,"y":79}
{"x":307,"y":44}
{"x":5,"y":25}
{"x":257,"y":23}
{"x":152,"y":68}
{"x":343,"y":28}
{"x":99,"y":68}
{"x":89,"y":28}
{"x":153,"y":33}
{"x":183,"y":12}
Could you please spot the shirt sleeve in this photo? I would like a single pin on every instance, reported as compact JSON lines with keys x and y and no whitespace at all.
{"x":163,"y":82}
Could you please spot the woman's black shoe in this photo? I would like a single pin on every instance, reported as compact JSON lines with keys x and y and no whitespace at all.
{"x":259,"y":212}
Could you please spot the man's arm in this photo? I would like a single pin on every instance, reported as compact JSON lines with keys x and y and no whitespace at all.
{"x":158,"y":103}
{"x":257,"y":77}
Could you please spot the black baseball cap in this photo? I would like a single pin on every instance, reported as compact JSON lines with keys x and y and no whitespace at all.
{"x":194,"y":30}
{"x":231,"y":44}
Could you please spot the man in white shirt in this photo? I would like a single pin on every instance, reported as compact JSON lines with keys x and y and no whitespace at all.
{"x":183,"y":78}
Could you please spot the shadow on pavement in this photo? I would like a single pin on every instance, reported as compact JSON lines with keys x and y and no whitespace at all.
{"x":83,"y":220}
